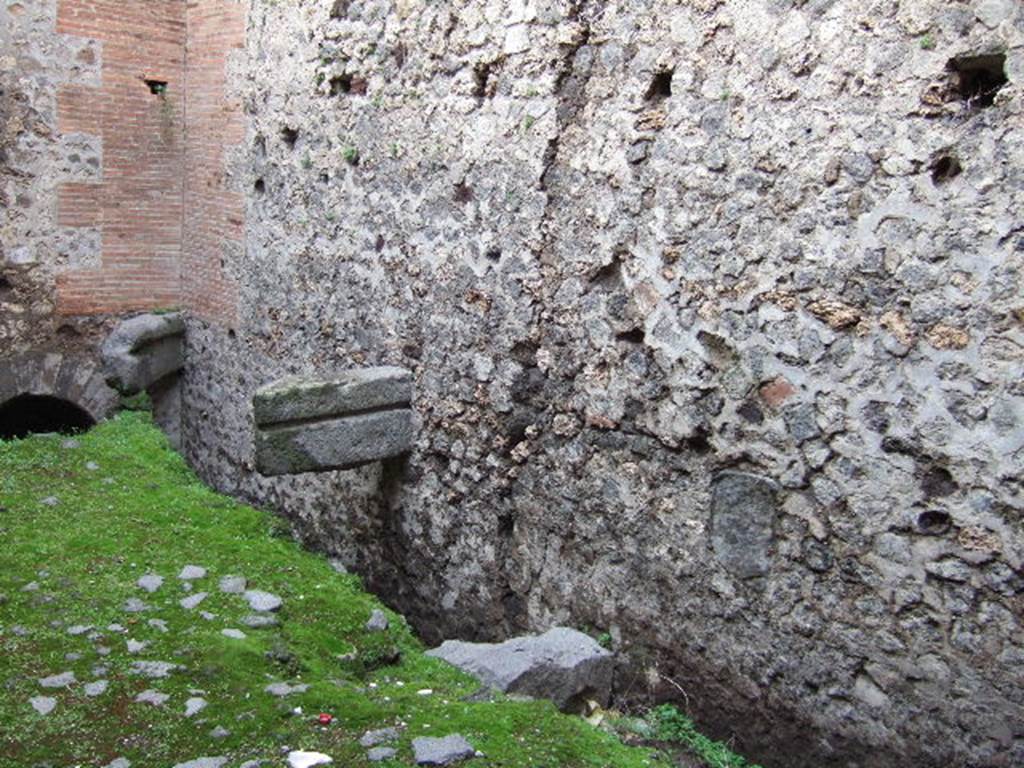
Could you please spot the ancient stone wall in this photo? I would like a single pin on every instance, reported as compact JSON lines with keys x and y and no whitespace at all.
{"x":715,"y":313}
{"x":714,"y":309}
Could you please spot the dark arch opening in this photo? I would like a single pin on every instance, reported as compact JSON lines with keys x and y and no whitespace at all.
{"x":29,"y":414}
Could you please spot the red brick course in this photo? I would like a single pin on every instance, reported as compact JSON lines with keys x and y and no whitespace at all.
{"x":161,"y":206}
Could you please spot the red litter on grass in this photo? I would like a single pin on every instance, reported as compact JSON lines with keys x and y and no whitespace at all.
{"x":325,"y":719}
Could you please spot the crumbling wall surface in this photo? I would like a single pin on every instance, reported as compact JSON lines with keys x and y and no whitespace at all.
{"x":34,"y":159}
{"x":715,"y":313}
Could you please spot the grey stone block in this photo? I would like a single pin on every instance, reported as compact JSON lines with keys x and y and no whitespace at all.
{"x":295,"y":398}
{"x":428,"y":750}
{"x":316,"y":426}
{"x":143,"y":350}
{"x":743,"y":510}
{"x":563,"y":665}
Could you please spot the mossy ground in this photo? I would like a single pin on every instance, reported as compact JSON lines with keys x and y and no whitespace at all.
{"x":125,"y":506}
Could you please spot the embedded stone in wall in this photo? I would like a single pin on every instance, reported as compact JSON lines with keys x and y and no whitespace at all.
{"x":743,"y":509}
{"x":143,"y":350}
{"x":316,"y":426}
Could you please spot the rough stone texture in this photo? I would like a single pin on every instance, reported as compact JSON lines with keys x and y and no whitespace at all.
{"x":295,"y":398}
{"x":378,"y":621}
{"x":600,"y":281}
{"x":263,"y":602}
{"x":143,"y":350}
{"x":44,"y":705}
{"x":743,"y":513}
{"x":232,"y":585}
{"x":329,"y":444}
{"x":303,"y":759}
{"x":428,"y":750}
{"x":563,"y":665}
{"x":623,"y":247}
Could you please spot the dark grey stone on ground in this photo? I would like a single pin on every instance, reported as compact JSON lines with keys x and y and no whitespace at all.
{"x":63,"y":680}
{"x":79,"y":629}
{"x":190,"y":602}
{"x":260,"y":621}
{"x":563,"y":665}
{"x":194,"y":706}
{"x":378,"y":621}
{"x":121,"y":762}
{"x":220,"y":732}
{"x":190,"y":572}
{"x":149,"y":696}
{"x":134,"y":646}
{"x":450,"y":749}
{"x":150,"y":582}
{"x":232,"y":585}
{"x":743,"y":512}
{"x":261,"y":601}
{"x":204,"y":762}
{"x":379,"y":754}
{"x":134,"y":605}
{"x":379,"y":736}
{"x":152,"y":669}
{"x":285,"y":689}
{"x":96,"y":688}
{"x":235,"y":634}
{"x":44,"y":705}
{"x":159,"y":624}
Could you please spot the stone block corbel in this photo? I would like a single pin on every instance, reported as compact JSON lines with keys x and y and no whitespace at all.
{"x":319,"y":425}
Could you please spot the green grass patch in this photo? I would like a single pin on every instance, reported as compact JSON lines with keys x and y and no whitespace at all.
{"x":80,"y":523}
{"x":669,"y":724}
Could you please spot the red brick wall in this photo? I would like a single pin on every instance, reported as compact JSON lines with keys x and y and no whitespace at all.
{"x":214,"y":210}
{"x":168,"y":220}
{"x":138,"y":204}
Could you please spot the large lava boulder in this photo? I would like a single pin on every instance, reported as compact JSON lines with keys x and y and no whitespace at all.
{"x":563,"y":665}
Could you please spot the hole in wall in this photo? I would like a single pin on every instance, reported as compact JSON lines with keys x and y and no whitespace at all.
{"x":259,"y":187}
{"x":937,"y":482}
{"x":348,"y":84}
{"x":399,"y":52}
{"x":699,"y":442}
{"x":977,"y":79}
{"x":493,"y":255}
{"x":481,"y":80}
{"x":610,"y":275}
{"x":35,"y":414}
{"x":633,"y":336}
{"x":68,"y":332}
{"x":934,"y":522}
{"x":340,"y":9}
{"x":5,"y":285}
{"x":944,"y":168}
{"x":660,"y":87}
{"x":289,"y":136}
{"x":463,"y":193}
{"x":156,"y":87}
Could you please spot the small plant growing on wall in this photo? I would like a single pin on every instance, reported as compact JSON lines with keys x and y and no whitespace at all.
{"x":351,"y":155}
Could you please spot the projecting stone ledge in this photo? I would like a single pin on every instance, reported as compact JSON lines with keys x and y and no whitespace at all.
{"x":317,"y":426}
{"x":143,"y":350}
